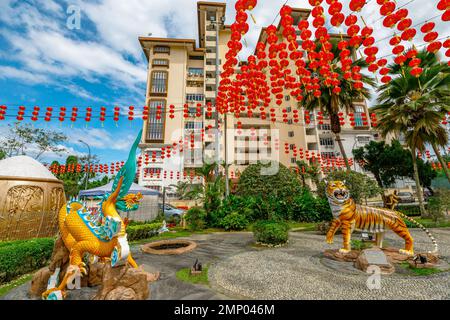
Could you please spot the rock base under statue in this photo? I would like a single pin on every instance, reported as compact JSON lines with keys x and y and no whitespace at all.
{"x":385,"y":259}
{"x":119,"y":283}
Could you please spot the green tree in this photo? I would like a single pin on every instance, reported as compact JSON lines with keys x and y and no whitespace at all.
{"x":386,"y":162}
{"x":307,"y":171}
{"x":21,"y":139}
{"x":332,"y":103}
{"x":361,"y":187}
{"x":272,"y":179}
{"x":2,"y":154}
{"x":414,"y":107}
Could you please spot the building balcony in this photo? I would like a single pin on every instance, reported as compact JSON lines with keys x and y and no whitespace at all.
{"x":211,"y":55}
{"x":210,"y":67}
{"x":189,"y":164}
{"x":210,"y":94}
{"x":195,"y":77}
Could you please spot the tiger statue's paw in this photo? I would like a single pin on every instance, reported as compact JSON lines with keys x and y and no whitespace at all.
{"x":330,"y":241}
{"x":406,"y":252}
{"x":344,"y":251}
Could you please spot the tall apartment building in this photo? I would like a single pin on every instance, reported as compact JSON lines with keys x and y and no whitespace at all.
{"x":180,"y":72}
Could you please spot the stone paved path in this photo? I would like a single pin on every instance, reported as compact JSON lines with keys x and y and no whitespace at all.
{"x":297,"y":271}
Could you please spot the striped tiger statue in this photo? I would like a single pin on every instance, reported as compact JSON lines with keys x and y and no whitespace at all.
{"x":351,"y":216}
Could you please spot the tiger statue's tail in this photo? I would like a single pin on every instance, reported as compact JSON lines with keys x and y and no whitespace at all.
{"x":423,"y":228}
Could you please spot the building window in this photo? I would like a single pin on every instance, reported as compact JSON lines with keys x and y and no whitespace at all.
{"x":152,"y":171}
{"x":291,"y":134}
{"x":290,"y":121}
{"x":161,"y":49}
{"x":325,"y":127}
{"x":159,"y":82}
{"x":157,"y":188}
{"x":155,"y":129}
{"x":191,"y":125}
{"x":195,"y":72}
{"x":196,"y":58}
{"x":160,"y":62}
{"x":293,"y":160}
{"x":327,"y":142}
{"x":287,"y":98}
{"x":195,"y":97}
{"x":288,"y":109}
{"x":327,"y":155}
{"x":363,"y":139}
{"x":292,"y":146}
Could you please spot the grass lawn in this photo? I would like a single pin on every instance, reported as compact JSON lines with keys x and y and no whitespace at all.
{"x":5,"y":288}
{"x":428,"y":223}
{"x":185,"y":275}
{"x":420,"y":271}
{"x":302,"y":226}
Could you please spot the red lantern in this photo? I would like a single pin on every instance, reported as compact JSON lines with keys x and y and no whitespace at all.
{"x":131,"y":113}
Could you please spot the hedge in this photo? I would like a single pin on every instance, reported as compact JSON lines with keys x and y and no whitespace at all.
{"x":143,"y":231}
{"x":411,"y":211}
{"x":23,"y":256}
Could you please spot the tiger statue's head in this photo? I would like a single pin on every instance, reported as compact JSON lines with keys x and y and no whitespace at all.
{"x":337,"y":191}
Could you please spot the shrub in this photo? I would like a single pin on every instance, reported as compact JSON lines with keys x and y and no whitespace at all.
{"x":23,"y":256}
{"x":308,"y":208}
{"x":271,"y":232}
{"x":196,"y":217}
{"x":234,"y":221}
{"x":258,"y":179}
{"x":143,"y":231}
{"x":411,"y":211}
{"x":245,"y":205}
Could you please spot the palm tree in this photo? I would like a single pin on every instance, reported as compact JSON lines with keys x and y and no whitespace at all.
{"x":415,"y":108}
{"x":332,"y":103}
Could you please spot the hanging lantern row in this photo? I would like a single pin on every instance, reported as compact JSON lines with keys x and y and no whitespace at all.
{"x":112,"y":168}
{"x":438,"y":166}
{"x":2,"y":112}
{"x":444,"y":5}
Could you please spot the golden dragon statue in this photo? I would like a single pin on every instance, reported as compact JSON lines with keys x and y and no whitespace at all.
{"x":102,"y":234}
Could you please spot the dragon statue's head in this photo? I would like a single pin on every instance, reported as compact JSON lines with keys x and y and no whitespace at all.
{"x":130,"y":201}
{"x":119,"y":196}
{"x":337,"y":191}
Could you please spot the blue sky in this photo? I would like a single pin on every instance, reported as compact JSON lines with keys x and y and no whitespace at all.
{"x":45,"y":63}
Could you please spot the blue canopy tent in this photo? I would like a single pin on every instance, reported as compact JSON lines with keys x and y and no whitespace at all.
{"x":100,"y":191}
{"x":148,"y":207}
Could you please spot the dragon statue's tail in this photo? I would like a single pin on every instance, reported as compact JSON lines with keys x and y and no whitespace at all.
{"x":421,"y":227}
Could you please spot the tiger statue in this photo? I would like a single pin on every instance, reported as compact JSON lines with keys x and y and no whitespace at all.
{"x":350,"y":216}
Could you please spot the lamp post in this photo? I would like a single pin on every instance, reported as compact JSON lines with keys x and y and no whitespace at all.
{"x":217,"y":25}
{"x":89,"y":162}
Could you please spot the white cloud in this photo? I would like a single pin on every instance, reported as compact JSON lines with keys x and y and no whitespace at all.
{"x":7,"y":72}
{"x":100,"y":139}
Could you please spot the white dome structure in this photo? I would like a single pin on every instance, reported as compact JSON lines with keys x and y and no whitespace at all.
{"x":30,"y":199}
{"x":25,"y":167}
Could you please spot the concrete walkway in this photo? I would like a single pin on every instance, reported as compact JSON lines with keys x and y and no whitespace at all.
{"x":296,"y":271}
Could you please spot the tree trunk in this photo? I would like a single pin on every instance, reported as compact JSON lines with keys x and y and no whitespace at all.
{"x":441,"y":160}
{"x":378,"y":179}
{"x":341,"y":147}
{"x":423,"y":212}
{"x":336,"y":129}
